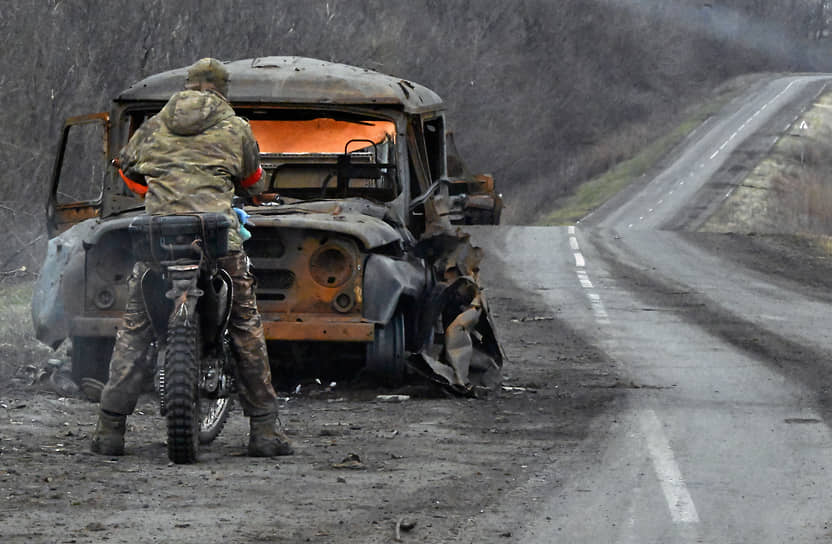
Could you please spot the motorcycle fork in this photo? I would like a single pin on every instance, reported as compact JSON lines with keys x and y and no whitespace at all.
{"x":184,"y":295}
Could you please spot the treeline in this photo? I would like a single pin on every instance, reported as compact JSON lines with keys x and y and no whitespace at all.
{"x":542,"y":93}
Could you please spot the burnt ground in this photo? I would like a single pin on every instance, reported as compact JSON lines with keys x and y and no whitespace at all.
{"x":438,"y":462}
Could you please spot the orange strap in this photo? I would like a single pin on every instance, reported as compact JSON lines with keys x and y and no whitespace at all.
{"x":138,"y":188}
{"x":253,"y":178}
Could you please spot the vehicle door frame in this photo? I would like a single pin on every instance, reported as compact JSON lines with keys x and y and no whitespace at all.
{"x":60,"y":217}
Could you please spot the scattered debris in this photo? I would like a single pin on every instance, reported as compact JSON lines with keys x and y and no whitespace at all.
{"x":518,"y":389}
{"x":533,"y":318}
{"x":392,"y":398}
{"x":20,"y":271}
{"x":95,"y":526}
{"x":91,"y":389}
{"x":351,"y":461}
{"x":403,"y":524}
{"x":51,"y":376}
{"x":61,"y":382}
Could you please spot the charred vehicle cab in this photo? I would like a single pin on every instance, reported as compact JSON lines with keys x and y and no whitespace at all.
{"x":357,"y":264}
{"x":474,"y":199}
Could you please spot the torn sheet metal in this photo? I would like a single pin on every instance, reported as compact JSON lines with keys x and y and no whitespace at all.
{"x":466,"y":354}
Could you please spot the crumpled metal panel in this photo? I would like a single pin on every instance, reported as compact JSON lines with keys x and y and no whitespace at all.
{"x":470,"y":355}
{"x":370,"y":231}
{"x":459,"y":347}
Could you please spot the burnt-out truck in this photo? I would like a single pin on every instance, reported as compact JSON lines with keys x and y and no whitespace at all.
{"x":358,"y":266}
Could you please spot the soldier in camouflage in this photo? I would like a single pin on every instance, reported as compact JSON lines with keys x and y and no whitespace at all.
{"x":194,"y":156}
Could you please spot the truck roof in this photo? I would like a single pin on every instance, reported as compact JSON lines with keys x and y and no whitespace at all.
{"x":297,"y":80}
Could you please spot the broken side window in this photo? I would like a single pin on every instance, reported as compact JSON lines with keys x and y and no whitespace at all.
{"x":81,"y":176}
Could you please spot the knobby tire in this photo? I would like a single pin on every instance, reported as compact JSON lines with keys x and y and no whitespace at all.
{"x":182,"y":388}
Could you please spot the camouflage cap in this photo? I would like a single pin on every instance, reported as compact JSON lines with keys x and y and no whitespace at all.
{"x":208,"y":70}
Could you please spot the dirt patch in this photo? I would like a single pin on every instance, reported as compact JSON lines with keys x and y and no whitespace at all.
{"x":438,"y":462}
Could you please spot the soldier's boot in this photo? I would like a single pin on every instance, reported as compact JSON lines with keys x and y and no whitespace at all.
{"x":265,"y":440}
{"x":109,"y":434}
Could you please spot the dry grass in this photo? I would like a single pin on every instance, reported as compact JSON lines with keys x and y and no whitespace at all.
{"x":18,"y":346}
{"x":790,"y":191}
{"x":806,"y":180}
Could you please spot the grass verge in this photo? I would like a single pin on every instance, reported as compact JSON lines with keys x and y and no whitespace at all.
{"x":790,"y":190}
{"x":18,"y":346}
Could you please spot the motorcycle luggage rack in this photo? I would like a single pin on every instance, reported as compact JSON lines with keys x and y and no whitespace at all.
{"x":158,"y":238}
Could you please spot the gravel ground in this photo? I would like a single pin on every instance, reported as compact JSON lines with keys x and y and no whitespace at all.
{"x":434,"y":461}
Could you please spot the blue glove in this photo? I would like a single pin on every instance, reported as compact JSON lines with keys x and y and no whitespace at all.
{"x":243,"y":217}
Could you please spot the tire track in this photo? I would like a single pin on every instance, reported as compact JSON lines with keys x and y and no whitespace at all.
{"x":808,"y":365}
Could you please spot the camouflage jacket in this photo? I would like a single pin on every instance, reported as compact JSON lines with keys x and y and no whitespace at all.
{"x":192,"y":157}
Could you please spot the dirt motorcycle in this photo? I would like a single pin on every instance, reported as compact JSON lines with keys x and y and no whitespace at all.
{"x":188,"y":300}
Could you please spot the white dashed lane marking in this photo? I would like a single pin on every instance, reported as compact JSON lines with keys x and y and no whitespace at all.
{"x":750,"y":119}
{"x":583,"y":278}
{"x":573,"y":243}
{"x":736,"y":133}
{"x":598,"y":310}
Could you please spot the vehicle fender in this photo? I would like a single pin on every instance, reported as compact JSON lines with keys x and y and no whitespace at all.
{"x":58,"y":294}
{"x":386,"y":281}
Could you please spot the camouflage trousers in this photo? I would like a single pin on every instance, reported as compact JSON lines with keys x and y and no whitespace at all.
{"x":130,"y":370}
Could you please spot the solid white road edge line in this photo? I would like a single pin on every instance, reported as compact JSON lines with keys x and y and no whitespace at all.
{"x":679,"y":501}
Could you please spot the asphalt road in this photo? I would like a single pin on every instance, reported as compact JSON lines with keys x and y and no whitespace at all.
{"x":724,"y":433}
